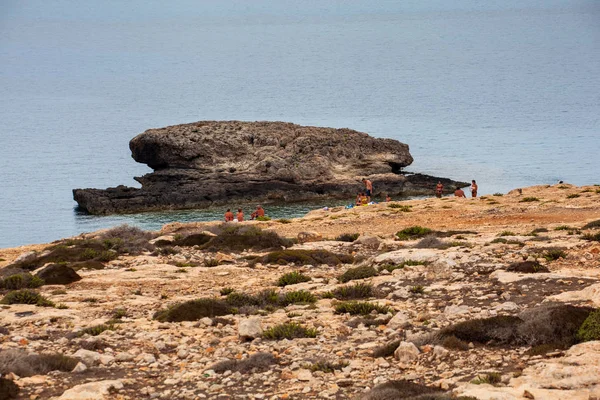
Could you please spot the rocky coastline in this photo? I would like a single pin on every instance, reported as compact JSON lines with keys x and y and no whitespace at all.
{"x":496,"y":297}
{"x":218,"y":162}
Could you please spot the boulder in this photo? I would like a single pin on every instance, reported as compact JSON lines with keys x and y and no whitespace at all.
{"x":217,"y":162}
{"x":100,"y":390}
{"x":250,"y":328}
{"x":406,"y":352}
{"x":400,"y":320}
{"x":305,"y":237}
{"x":58,"y":274}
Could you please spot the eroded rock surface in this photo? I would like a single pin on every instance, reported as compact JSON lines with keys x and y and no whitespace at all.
{"x":212,"y":162}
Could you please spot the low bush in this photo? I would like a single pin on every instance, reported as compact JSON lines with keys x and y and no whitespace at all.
{"x":292,"y":278}
{"x":400,"y":207}
{"x":590,"y":329}
{"x":554,"y":254}
{"x":506,"y":233}
{"x":404,"y":390}
{"x":542,"y":349}
{"x":23,"y":364}
{"x":527,"y":267}
{"x":21,"y":281}
{"x":306,"y":257}
{"x":417,"y":289}
{"x":454,"y":343}
{"x":413,"y":232}
{"x":352,"y":292}
{"x":564,"y":228}
{"x":357,"y":273}
{"x":298,"y":297}
{"x":226,"y":291}
{"x":573,"y":196}
{"x":528,"y":199}
{"x":360,"y":308}
{"x":290,"y":330}
{"x":501,"y":329}
{"x":263,"y":218}
{"x":25,"y":296}
{"x":284,"y":221}
{"x":127,"y":239}
{"x":194,"y":310}
{"x":347,"y":237}
{"x":387,"y":350}
{"x":95,"y":330}
{"x":240,"y":237}
{"x":326,"y":366}
{"x":211,"y":262}
{"x":592,"y":237}
{"x":431,"y":242}
{"x":391,"y":267}
{"x":258,"y":362}
{"x":507,"y":241}
{"x":498,"y":194}
{"x":490,"y":378}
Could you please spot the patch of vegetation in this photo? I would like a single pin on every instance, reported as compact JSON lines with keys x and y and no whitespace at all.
{"x":258,"y":362}
{"x":263,"y":218}
{"x":404,"y":390}
{"x":417,"y":289}
{"x":226,"y":291}
{"x":352,"y":292}
{"x":326,"y":366}
{"x":194,"y":310}
{"x":119,"y":313}
{"x":453,"y":343}
{"x":490,"y":378}
{"x":498,"y":194}
{"x":357,"y":273}
{"x":554,"y":254}
{"x":590,"y":329}
{"x":95,"y":330}
{"x":507,"y":241}
{"x":306,"y":257}
{"x":284,"y":221}
{"x":431,"y":242}
{"x":573,"y":196}
{"x":391,"y":267}
{"x":527,"y":267}
{"x":400,"y":207}
{"x":387,"y":350}
{"x":25,"y":296}
{"x":501,"y":329}
{"x":347,"y":237}
{"x":211,"y":262}
{"x":292,"y":278}
{"x":21,"y":281}
{"x":23,"y":364}
{"x":542,"y":349}
{"x":360,"y":308}
{"x":290,"y":330}
{"x":58,"y":292}
{"x":562,"y":187}
{"x":564,"y":228}
{"x":125,"y":239}
{"x":58,"y":274}
{"x":298,"y":297}
{"x":506,"y":233}
{"x":413,"y":232}
{"x":591,"y":237}
{"x":528,"y":199}
{"x":240,"y":237}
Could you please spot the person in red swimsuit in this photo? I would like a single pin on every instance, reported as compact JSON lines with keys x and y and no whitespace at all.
{"x":439,"y":189}
{"x":473,"y":188}
{"x":228,"y":216}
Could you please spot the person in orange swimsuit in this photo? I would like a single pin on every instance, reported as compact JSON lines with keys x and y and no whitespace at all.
{"x":439,"y":189}
{"x":240,"y":215}
{"x":228,"y":215}
{"x":473,"y":188}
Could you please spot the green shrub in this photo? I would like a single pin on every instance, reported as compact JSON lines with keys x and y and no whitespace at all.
{"x":89,"y":254}
{"x":357,"y":273}
{"x":417,"y":289}
{"x":528,"y":199}
{"x":290,"y":330}
{"x":119,"y":313}
{"x":554,"y":254}
{"x":284,"y":221}
{"x":454,"y":343}
{"x":257,"y":362}
{"x":107,"y":255}
{"x":498,"y":194}
{"x":564,"y":228}
{"x":347,"y":237}
{"x":298,"y":297}
{"x":413,"y":232}
{"x":573,"y":196}
{"x":387,"y":350}
{"x":590,"y":237}
{"x":400,"y":207}
{"x":21,"y":281}
{"x":527,"y":267}
{"x":193,"y":310}
{"x":292,"y":278}
{"x":391,"y":267}
{"x":351,"y":292}
{"x":490,"y":378}
{"x":306,"y":257}
{"x":263,"y":218}
{"x":359,"y":308}
{"x":211,"y":262}
{"x":501,"y":329}
{"x":404,"y":390}
{"x":590,"y":329}
{"x":25,"y":296}
{"x":431,"y":242}
{"x":95,"y":330}
{"x":325,"y":366}
{"x":506,"y":233}
{"x":241,"y":237}
{"x":226,"y":291}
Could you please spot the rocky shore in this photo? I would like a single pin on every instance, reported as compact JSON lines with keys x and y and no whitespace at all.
{"x":214,"y":162}
{"x":489,"y":298}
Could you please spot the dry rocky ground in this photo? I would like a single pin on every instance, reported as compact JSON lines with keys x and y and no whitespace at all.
{"x":524,"y":254}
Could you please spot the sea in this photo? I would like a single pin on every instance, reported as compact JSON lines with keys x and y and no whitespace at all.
{"x":504,"y":92}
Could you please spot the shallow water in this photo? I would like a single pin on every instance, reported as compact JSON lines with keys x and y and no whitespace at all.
{"x":508,"y":94}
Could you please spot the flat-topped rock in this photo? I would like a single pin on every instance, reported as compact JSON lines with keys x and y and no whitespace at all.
{"x":215,"y":162}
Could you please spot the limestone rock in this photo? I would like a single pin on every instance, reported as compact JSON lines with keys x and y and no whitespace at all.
{"x":215,"y":162}
{"x":79,"y":368}
{"x":370,"y":242}
{"x":305,"y":237}
{"x":406,"y":352}
{"x":100,"y":390}
{"x":400,"y":320}
{"x":250,"y":328}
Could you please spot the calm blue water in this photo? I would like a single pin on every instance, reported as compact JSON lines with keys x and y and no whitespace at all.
{"x":505,"y":93}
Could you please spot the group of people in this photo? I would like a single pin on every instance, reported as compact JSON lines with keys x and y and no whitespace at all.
{"x":439,"y":189}
{"x":230,"y":217}
{"x":363,"y":198}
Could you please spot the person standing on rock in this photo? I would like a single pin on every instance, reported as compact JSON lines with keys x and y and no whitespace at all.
{"x":228,"y":215}
{"x":473,"y":188}
{"x":369,"y":188}
{"x":439,"y":189}
{"x":459,"y":193}
{"x":240,"y":215}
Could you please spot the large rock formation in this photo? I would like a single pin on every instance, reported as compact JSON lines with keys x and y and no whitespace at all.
{"x":216,"y":162}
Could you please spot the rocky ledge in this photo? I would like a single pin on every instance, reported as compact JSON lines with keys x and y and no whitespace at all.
{"x":215,"y":162}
